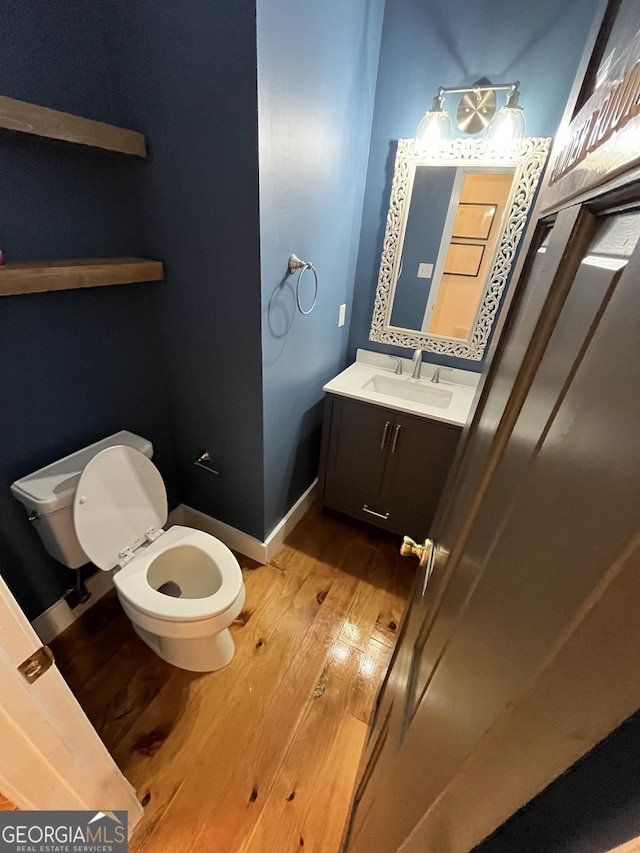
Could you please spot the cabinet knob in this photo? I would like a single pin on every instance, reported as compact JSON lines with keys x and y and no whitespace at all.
{"x":409,"y":548}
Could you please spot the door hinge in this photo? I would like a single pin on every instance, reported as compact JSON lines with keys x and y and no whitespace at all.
{"x":37,"y":664}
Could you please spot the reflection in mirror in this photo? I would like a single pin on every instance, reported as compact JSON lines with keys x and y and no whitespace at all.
{"x":453,"y":227}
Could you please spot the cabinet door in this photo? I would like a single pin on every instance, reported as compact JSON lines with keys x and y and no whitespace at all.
{"x":418,"y":462}
{"x":360,"y":436}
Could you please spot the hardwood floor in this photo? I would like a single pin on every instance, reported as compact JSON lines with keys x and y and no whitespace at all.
{"x":6,"y":805}
{"x":259,"y":757}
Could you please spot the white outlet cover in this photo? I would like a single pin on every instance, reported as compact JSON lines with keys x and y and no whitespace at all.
{"x":342,"y":313}
{"x":425,"y":270}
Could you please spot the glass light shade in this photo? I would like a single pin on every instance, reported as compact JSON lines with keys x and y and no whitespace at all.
{"x":434,"y":128}
{"x":507,"y":125}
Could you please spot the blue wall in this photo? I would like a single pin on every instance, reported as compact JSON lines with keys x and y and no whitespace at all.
{"x":244,"y":373}
{"x":317,"y":65}
{"x":187,"y":76}
{"x":451,"y":43}
{"x":75,"y":366}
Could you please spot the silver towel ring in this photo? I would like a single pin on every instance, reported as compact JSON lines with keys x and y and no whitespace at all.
{"x":296,"y":264}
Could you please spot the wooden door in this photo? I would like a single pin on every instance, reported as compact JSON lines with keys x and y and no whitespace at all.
{"x":528,"y":616}
{"x":52,"y":757}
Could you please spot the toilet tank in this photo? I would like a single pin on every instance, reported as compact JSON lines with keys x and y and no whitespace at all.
{"x":48,"y":495}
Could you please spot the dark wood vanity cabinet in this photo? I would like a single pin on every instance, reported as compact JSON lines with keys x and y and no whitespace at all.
{"x":383,"y":466}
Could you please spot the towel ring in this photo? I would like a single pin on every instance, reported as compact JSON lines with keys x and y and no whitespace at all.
{"x":296,"y":264}
{"x":315,"y":292}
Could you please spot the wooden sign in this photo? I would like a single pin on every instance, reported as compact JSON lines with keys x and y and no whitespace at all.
{"x":603,"y":139}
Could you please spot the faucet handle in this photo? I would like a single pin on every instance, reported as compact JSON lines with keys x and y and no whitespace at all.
{"x":436,"y":373}
{"x":398,"y":367}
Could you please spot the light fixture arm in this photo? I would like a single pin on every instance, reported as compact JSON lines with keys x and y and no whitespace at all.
{"x":513,"y":89}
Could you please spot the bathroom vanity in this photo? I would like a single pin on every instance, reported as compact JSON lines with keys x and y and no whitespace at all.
{"x":456,"y":216}
{"x":389,"y":440}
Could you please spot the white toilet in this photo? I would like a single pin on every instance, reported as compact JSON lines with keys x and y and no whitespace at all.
{"x":181,"y":588}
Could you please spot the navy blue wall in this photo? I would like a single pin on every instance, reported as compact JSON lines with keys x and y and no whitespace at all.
{"x":187,"y":76}
{"x":75,"y":366}
{"x":452,"y":43}
{"x":317,"y":65}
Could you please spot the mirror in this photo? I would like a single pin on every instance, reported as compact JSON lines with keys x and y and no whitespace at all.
{"x":455,"y":220}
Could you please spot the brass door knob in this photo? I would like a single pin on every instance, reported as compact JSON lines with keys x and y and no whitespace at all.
{"x":409,"y":548}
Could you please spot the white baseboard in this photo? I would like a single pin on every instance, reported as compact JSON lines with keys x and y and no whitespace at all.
{"x":59,"y":616}
{"x":284,"y":527}
{"x":236,"y":539}
{"x":231,"y":536}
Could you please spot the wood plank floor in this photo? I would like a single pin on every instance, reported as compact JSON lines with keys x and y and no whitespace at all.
{"x":261,"y":756}
{"x":6,"y":805}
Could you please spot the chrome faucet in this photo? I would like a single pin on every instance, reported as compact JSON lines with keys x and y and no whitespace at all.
{"x":436,"y":376}
{"x":398,"y":367}
{"x":417,"y":364}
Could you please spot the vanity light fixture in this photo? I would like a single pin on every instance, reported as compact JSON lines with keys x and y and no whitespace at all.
{"x":476,"y":111}
{"x":507,"y":125}
{"x":435,"y":126}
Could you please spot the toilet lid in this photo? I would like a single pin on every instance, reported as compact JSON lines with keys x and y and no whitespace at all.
{"x":119,"y":500}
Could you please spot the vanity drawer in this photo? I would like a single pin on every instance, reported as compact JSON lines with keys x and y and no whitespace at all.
{"x":352,"y":501}
{"x":398,"y":519}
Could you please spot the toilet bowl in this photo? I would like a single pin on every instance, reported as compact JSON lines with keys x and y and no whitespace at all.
{"x":181,"y":588}
{"x":190,"y":631}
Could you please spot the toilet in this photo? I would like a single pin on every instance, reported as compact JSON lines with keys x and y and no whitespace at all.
{"x":181,"y":588}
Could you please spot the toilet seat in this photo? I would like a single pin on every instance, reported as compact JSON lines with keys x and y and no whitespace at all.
{"x":133,"y":585}
{"x":120,"y":504}
{"x":119,"y":509}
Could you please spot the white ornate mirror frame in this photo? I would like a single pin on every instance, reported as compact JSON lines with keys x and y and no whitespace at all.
{"x":527,"y":160}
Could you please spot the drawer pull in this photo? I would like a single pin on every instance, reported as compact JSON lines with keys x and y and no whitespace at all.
{"x":385,"y":433}
{"x":394,"y":444}
{"x":384,"y":516}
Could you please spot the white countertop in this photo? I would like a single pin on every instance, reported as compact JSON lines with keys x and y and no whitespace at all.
{"x":356,"y":382}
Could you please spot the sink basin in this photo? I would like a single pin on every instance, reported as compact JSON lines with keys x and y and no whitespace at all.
{"x":371,"y":379}
{"x":410,"y":389}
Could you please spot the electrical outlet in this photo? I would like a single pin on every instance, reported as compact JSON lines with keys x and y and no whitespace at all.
{"x":425,"y":270}
{"x":342,"y":313}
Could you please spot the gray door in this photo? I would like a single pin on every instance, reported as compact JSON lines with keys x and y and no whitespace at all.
{"x":545,"y":503}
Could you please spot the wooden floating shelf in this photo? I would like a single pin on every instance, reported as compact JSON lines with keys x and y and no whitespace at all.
{"x":41,"y":121}
{"x":41,"y":276}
